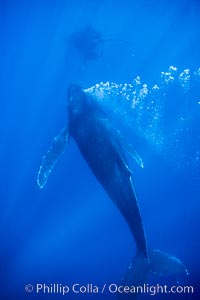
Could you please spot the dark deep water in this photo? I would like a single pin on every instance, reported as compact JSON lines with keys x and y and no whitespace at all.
{"x":70,"y":232}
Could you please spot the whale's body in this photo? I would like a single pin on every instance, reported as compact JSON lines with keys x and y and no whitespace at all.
{"x":100,"y":145}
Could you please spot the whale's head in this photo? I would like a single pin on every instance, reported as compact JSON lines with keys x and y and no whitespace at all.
{"x":81,"y":104}
{"x":76,"y":100}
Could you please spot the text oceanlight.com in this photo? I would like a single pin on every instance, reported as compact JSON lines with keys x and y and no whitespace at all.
{"x":58,"y":288}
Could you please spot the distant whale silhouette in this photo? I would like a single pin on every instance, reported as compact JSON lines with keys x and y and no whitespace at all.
{"x":100,"y":145}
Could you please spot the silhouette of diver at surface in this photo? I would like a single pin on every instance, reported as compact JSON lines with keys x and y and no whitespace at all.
{"x":87,"y":44}
{"x":86,"y":41}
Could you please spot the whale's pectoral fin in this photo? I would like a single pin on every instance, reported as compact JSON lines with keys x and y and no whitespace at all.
{"x":129,"y":149}
{"x":49,"y":160}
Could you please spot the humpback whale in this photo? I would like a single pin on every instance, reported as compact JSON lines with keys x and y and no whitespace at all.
{"x":101,"y":147}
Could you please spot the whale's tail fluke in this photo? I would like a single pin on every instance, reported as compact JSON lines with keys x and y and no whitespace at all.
{"x":140,"y":271}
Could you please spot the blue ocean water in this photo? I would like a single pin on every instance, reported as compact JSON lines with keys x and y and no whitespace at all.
{"x":70,"y":232}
